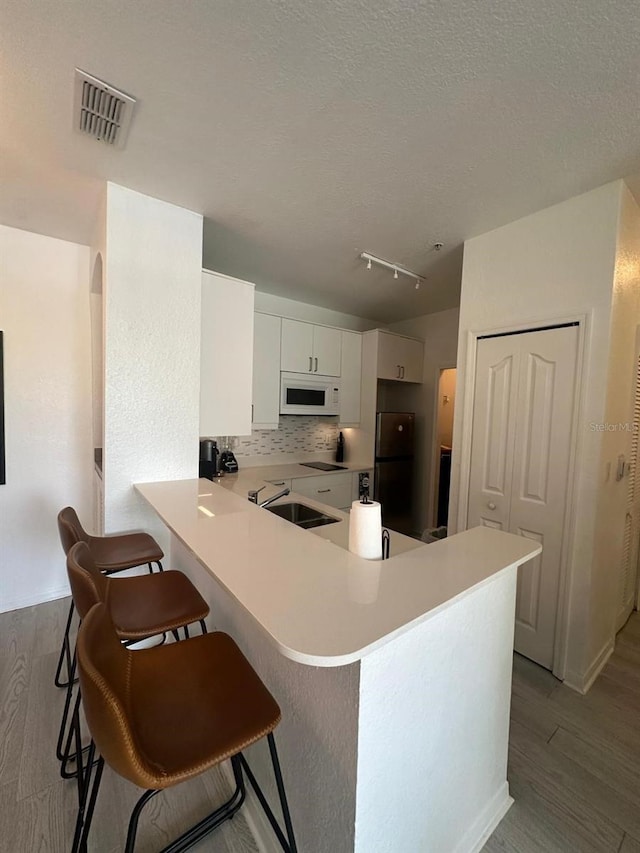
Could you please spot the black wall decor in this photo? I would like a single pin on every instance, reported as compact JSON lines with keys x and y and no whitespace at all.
{"x":3,"y":478}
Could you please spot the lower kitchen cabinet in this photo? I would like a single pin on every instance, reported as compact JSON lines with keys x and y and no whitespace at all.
{"x":330,"y":489}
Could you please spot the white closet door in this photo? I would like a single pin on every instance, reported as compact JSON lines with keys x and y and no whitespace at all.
{"x":522,"y":419}
{"x":494,"y":419}
{"x":544,"y":417}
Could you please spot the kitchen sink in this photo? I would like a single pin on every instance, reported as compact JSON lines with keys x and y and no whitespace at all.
{"x":301,"y":515}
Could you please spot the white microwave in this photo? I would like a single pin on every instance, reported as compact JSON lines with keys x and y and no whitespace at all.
{"x":309,"y":395}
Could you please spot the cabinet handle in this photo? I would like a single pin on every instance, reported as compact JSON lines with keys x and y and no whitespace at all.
{"x":402,"y":369}
{"x":310,"y":364}
{"x":321,"y":491}
{"x":316,"y":365}
{"x":491,"y":505}
{"x":252,"y":413}
{"x":398,"y":376}
{"x":279,"y":484}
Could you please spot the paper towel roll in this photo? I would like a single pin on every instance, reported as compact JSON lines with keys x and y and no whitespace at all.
{"x":365,"y":530}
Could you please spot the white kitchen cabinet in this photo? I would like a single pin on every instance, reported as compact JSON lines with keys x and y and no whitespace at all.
{"x":307,"y":348}
{"x":284,"y":484}
{"x":266,"y":371}
{"x":330,"y":489}
{"x":399,"y":358}
{"x":350,"y":372}
{"x":226,"y":355}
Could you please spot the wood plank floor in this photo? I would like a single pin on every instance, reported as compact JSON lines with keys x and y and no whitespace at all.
{"x":574,"y":764}
{"x":574,"y":761}
{"x":37,"y":808}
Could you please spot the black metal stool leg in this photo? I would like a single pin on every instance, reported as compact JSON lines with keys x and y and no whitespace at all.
{"x":135,"y":817}
{"x":65,"y":714}
{"x":203,"y":626}
{"x":156,"y":563}
{"x":88,"y":795}
{"x":65,"y":652}
{"x":288,"y":844}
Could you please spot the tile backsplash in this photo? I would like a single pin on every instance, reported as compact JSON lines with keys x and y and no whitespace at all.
{"x":295,"y":434}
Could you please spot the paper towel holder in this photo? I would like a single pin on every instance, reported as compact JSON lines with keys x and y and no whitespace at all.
{"x":386,"y":542}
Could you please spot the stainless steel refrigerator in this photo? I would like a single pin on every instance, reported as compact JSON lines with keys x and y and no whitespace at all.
{"x":393,"y":485}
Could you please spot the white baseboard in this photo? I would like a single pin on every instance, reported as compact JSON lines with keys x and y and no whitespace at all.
{"x":476,"y":836}
{"x":33,"y":599}
{"x":260,"y":828}
{"x":581,"y":682}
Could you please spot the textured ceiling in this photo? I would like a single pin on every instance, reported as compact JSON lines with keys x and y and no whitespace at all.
{"x":309,"y":131}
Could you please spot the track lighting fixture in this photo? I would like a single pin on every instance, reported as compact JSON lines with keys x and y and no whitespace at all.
{"x":397,"y":269}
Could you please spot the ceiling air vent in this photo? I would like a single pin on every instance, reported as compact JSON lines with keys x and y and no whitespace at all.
{"x":101,"y":111}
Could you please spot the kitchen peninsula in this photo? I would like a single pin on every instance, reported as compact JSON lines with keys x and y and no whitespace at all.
{"x":393,"y":676}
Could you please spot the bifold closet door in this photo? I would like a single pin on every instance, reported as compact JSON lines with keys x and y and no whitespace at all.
{"x":521,"y":443}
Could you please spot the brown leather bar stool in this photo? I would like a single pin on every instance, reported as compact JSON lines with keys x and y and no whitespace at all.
{"x":111,"y":554}
{"x":139,"y":607}
{"x":132,"y":700}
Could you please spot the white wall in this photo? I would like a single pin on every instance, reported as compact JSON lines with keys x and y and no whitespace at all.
{"x":553,"y":264}
{"x":152,"y":283}
{"x":439,"y":332}
{"x":44,"y":313}
{"x":612,"y":495}
{"x":269,"y":304}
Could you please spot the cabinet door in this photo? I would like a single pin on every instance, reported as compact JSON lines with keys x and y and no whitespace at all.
{"x":266,"y":371}
{"x":327,"y":346}
{"x":388,"y":357}
{"x":412,"y":357}
{"x":226,"y":356}
{"x":350,"y":371}
{"x":296,"y":355}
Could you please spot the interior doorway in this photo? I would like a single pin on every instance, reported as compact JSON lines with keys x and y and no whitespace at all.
{"x":443,"y":439}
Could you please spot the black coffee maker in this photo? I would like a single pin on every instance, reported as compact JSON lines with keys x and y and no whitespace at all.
{"x":228,"y":462}
{"x":209,"y":459}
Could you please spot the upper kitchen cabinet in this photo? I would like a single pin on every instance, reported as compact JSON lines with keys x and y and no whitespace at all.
{"x":266,"y":371}
{"x":226,"y":355}
{"x":307,"y":348}
{"x":399,"y":358}
{"x":350,"y":383}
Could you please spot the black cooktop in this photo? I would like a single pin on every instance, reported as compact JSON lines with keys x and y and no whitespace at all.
{"x":324,"y":466}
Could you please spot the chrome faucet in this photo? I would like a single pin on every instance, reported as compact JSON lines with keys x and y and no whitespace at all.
{"x":253,"y":496}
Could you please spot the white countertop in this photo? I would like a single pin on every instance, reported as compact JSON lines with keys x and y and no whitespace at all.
{"x":318,"y":603}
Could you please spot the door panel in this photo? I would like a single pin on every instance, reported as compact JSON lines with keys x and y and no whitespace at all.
{"x":493,"y":434}
{"x":542,"y":448}
{"x":521,"y":443}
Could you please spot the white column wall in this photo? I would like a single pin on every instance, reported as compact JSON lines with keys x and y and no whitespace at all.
{"x":612,"y":494}
{"x":434,"y":729}
{"x":153,"y":269}
{"x":556,"y":263}
{"x":44,"y":313}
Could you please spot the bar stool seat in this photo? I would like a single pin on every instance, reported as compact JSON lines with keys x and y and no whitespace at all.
{"x":116,"y":553}
{"x":133,"y":700}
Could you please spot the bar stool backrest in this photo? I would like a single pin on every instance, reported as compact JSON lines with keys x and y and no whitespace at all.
{"x":70,"y":529}
{"x":104,"y":667}
{"x":88,"y":584}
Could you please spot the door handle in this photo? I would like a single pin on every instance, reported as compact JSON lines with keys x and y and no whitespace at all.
{"x":491,"y":505}
{"x":316,"y":370}
{"x":310,"y":364}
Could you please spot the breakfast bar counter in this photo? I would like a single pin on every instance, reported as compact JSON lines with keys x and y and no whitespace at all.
{"x":393,"y":676}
